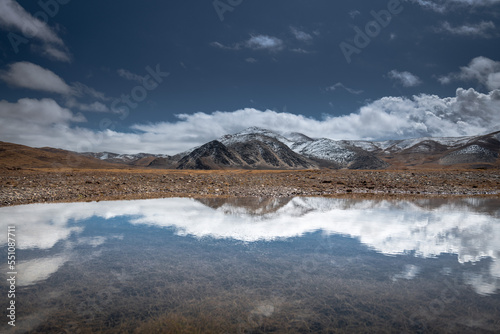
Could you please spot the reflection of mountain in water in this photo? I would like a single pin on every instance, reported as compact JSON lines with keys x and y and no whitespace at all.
{"x":469,"y":228}
{"x":246,"y":205}
{"x":267,"y":205}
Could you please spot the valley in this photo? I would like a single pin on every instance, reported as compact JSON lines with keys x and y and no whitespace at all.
{"x":256,"y":163}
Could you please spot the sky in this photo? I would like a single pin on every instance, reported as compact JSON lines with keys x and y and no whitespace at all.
{"x":165,"y":76}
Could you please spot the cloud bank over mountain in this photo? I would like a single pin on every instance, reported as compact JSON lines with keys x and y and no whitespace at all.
{"x":46,"y":123}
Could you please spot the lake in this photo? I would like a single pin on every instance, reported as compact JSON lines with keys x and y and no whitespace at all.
{"x":255,"y":265}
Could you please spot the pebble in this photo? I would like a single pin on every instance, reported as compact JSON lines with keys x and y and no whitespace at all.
{"x":32,"y":186}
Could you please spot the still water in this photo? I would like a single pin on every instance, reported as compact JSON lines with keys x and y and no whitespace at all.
{"x":255,"y":265}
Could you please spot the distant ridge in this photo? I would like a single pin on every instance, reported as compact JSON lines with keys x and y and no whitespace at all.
{"x":258,"y":148}
{"x":14,"y":156}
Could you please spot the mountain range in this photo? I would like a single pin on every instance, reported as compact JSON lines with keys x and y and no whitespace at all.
{"x":257,"y":148}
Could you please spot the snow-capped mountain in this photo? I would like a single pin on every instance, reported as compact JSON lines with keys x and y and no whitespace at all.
{"x":139,"y":159}
{"x":257,"y":148}
{"x":323,"y":152}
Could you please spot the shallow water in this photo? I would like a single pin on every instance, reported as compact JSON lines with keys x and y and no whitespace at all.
{"x":255,"y":265}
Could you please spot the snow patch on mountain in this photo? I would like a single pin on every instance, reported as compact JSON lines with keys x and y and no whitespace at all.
{"x":473,"y":149}
{"x":326,"y":149}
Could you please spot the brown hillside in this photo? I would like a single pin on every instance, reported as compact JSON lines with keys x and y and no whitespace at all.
{"x":14,"y":156}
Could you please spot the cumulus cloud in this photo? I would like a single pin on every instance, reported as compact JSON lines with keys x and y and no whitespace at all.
{"x":493,"y":81}
{"x":31,"y":76}
{"x":405,"y":78}
{"x":341,"y":85}
{"x":482,"y":29}
{"x":37,"y":122}
{"x":45,"y":123}
{"x":42,"y":112}
{"x":481,"y":69}
{"x":15,"y":18}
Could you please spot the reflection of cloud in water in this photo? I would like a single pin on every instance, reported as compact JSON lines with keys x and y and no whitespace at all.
{"x":410,"y":272}
{"x":41,"y":225}
{"x":92,"y":241}
{"x":467,"y":228}
{"x":33,"y":271}
{"x":390,"y":228}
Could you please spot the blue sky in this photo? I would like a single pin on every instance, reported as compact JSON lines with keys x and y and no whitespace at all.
{"x":164,"y":76}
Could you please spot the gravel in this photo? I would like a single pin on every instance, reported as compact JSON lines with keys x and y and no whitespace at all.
{"x":43,"y":185}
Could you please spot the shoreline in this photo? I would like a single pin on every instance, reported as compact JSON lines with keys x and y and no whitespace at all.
{"x":28,"y":186}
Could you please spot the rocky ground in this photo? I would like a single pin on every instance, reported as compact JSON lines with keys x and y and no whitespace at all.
{"x":69,"y":185}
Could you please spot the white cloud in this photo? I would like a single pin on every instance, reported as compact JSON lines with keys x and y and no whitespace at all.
{"x":405,"y":78}
{"x":41,"y":112}
{"x":44,"y":123}
{"x":59,"y":53}
{"x":481,"y":69}
{"x":481,"y":29}
{"x":442,"y":6}
{"x":341,"y":85}
{"x":126,"y":74}
{"x":16,"y":18}
{"x":38,"y":123}
{"x":493,"y":81}
{"x":80,"y":89}
{"x":225,"y":47}
{"x":475,"y":2}
{"x":94,"y":106}
{"x":264,"y":42}
{"x":31,"y":76}
{"x":301,"y":35}
{"x":12,"y":15}
{"x":437,"y":6}
{"x":257,"y":42}
{"x":300,"y":50}
{"x":251,"y":60}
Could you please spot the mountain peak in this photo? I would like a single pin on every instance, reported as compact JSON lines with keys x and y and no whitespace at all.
{"x":256,"y":129}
